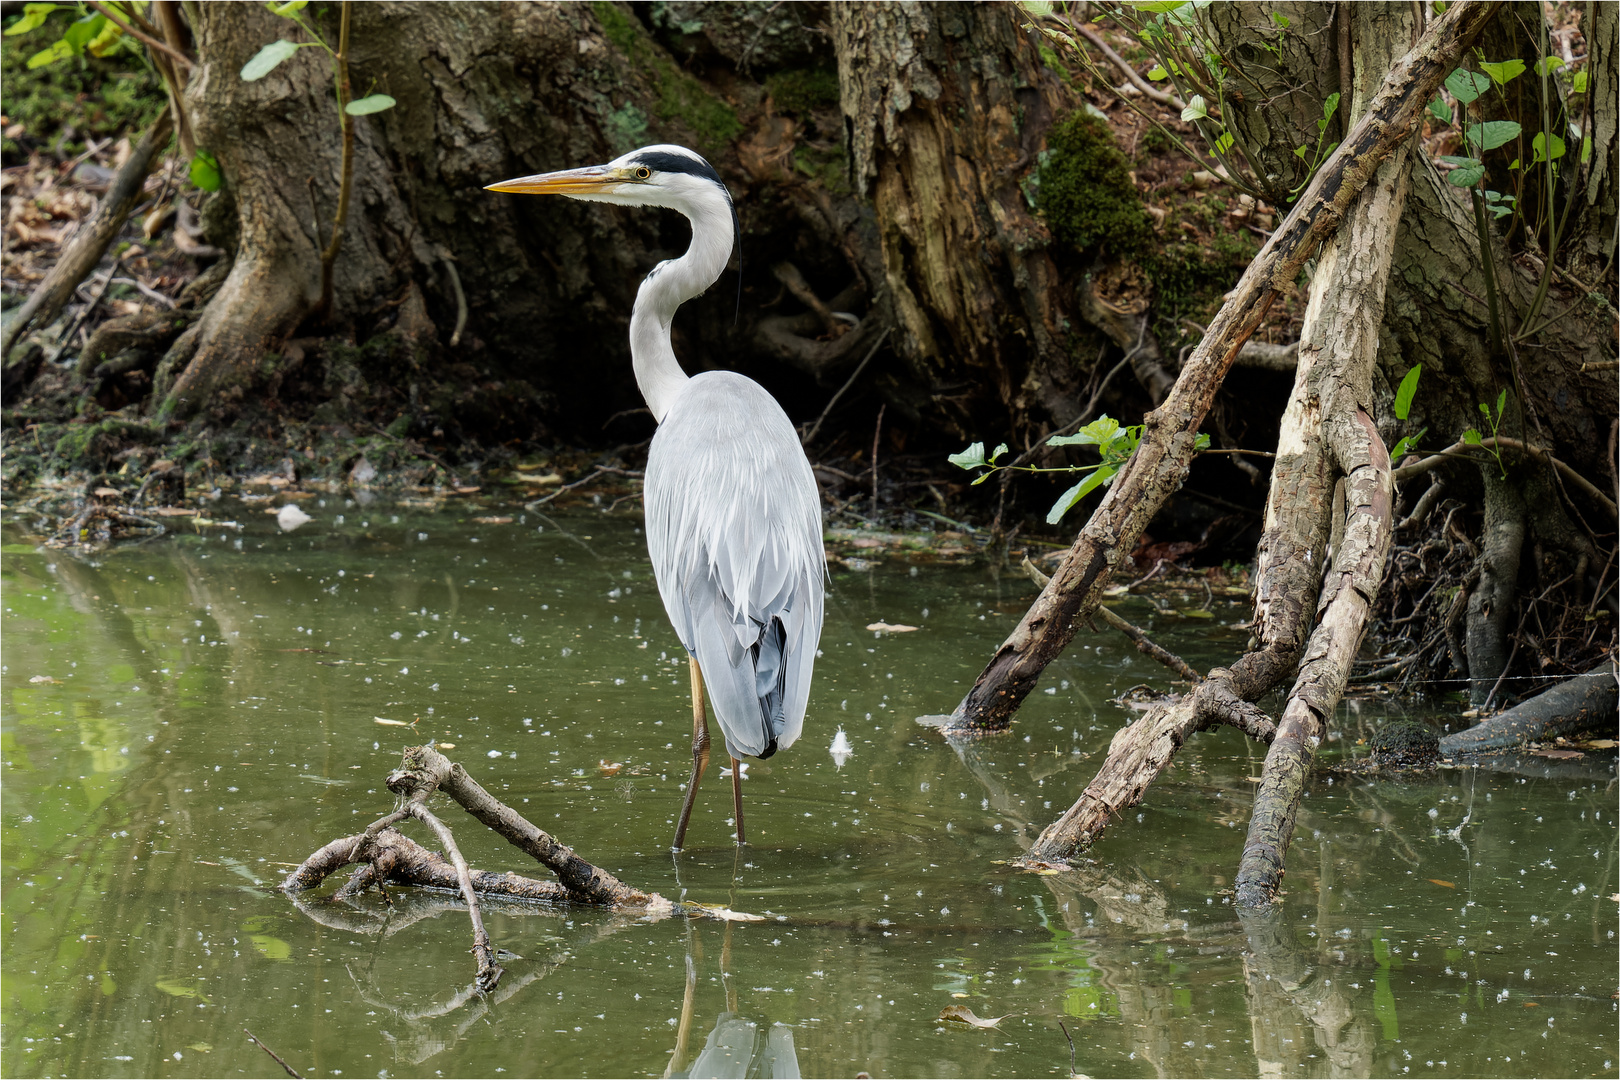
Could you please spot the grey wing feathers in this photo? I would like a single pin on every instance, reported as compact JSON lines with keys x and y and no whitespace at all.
{"x":734,"y":530}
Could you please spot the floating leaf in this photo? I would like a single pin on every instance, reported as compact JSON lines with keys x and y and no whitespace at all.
{"x":964,"y":1015}
{"x":271,"y":948}
{"x":372,"y":103}
{"x":1447,"y":884}
{"x":892,"y":628}
{"x":1504,"y":71}
{"x":388,"y":722}
{"x":267,"y":60}
{"x":1407,"y":391}
{"x":1466,"y":86}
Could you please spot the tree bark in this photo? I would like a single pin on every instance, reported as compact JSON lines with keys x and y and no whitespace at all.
{"x":966,"y":272}
{"x":1160,"y":462}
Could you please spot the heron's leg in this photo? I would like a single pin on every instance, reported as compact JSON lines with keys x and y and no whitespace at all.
{"x":700,"y":751}
{"x":736,"y":798}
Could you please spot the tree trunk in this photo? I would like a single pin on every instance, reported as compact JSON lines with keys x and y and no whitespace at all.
{"x":968,"y":278}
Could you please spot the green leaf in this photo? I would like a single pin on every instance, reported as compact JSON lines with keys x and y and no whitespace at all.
{"x":1154,"y":6}
{"x":56,"y":50}
{"x":1539,"y":146}
{"x":1406,"y":392}
{"x":1493,"y":133}
{"x":286,"y":10}
{"x":205,"y":171}
{"x":1223,"y":142}
{"x":1040,"y":9}
{"x":1200,"y":442}
{"x":1280,"y":20}
{"x":1501,"y":404}
{"x":1197,"y":109}
{"x":1466,"y":86}
{"x":1300,"y":152}
{"x":1407,"y":444}
{"x":1503,"y":72}
{"x":1471,"y":437}
{"x":1001,"y":448}
{"x":1440,"y":110}
{"x":971,"y":458}
{"x":1468,"y":172}
{"x":83,"y":31}
{"x":371,"y":103}
{"x":267,"y":60}
{"x":1330,"y":105}
{"x":33,"y":17}
{"x":1549,"y":64}
{"x":1157,"y":73}
{"x":1578,"y":84}
{"x":1586,"y":149}
{"x":1486,"y":409}
{"x":1078,"y":492}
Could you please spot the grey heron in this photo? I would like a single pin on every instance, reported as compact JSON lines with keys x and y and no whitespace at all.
{"x":733,"y":513}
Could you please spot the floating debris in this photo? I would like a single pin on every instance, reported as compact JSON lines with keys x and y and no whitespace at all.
{"x":290,"y":517}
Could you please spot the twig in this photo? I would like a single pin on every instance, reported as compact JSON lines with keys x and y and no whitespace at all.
{"x":145,"y":290}
{"x":1143,"y":644}
{"x":449,"y":261}
{"x":847,"y":384}
{"x":877,"y":430}
{"x":274,"y":1056}
{"x":600,"y":470}
{"x":84,"y":312}
{"x":1146,"y":647}
{"x":1120,"y":62}
{"x":1460,"y":449}
{"x":151,"y":43}
{"x":489,"y":972}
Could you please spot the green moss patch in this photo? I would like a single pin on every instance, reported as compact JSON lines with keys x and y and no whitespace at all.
{"x":680,"y":97}
{"x":1085,"y":191}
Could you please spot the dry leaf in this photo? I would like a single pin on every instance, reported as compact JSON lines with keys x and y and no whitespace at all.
{"x":45,"y":679}
{"x":609,"y":768}
{"x":964,"y":1015}
{"x":724,"y":914}
{"x":390,"y":723}
{"x":1447,"y":884}
{"x":893,"y":628}
{"x":1558,"y":755}
{"x":493,"y":520}
{"x":1599,"y":744}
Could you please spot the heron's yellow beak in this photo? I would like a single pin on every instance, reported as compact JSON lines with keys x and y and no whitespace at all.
{"x":594,"y":180}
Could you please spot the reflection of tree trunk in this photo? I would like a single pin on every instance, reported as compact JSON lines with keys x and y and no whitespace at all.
{"x":1298,"y":1007}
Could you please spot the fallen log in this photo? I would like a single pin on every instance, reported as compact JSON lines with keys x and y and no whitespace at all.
{"x":1584,"y":703}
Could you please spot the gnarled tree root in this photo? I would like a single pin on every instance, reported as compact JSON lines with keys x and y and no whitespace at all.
{"x":1584,"y":703}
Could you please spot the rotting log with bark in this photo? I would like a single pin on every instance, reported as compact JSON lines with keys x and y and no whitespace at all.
{"x":1584,"y":703}
{"x":1169,"y":432}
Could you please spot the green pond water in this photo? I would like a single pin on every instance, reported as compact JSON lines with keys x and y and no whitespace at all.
{"x":188,"y":718}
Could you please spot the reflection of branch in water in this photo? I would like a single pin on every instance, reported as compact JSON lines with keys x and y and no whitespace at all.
{"x":1294,"y":1005}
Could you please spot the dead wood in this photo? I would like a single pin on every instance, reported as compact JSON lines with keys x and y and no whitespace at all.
{"x":90,"y":243}
{"x":1583,"y":703}
{"x":1144,"y":645}
{"x":1161,"y":461}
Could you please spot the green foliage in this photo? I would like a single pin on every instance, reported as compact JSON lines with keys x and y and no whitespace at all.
{"x":205,"y":171}
{"x":268,"y":59}
{"x":803,"y":90}
{"x":1473,"y":438}
{"x":1403,"y":409}
{"x":100,"y":96}
{"x":1114,"y":446}
{"x":1085,"y":191}
{"x":371,"y":103}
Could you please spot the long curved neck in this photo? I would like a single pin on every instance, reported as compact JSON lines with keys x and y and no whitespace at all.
{"x":666,"y":288}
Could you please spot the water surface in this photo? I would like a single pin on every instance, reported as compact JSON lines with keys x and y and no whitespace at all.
{"x":186,"y":719}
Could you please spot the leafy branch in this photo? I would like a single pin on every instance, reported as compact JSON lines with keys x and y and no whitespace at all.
{"x":1114,"y":445}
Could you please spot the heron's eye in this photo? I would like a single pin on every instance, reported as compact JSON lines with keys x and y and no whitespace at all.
{"x":643,"y":173}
